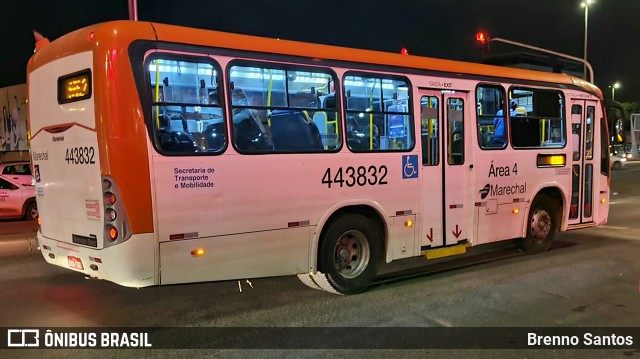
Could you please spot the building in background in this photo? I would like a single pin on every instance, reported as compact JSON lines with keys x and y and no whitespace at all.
{"x":14,"y":137}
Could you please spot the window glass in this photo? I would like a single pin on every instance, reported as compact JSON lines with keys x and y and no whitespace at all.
{"x":604,"y":149}
{"x":378,"y":113}
{"x":576,"y":130}
{"x":430,"y":130}
{"x":283,"y":110}
{"x":6,"y":185}
{"x":186,"y":107}
{"x":588,"y":191}
{"x":455,"y":131}
{"x":491,"y":122}
{"x":537,"y":118}
{"x":588,"y":146}
{"x":19,"y":169}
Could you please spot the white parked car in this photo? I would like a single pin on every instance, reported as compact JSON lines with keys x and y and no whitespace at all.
{"x":17,"y":200}
{"x":617,"y":162}
{"x":17,"y":171}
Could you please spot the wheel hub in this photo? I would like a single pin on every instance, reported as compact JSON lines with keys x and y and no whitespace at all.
{"x":540,"y":225}
{"x":351,"y":254}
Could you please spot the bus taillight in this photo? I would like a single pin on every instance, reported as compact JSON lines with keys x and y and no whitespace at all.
{"x":109,"y":198}
{"x":111,"y":214}
{"x":116,"y":226}
{"x":113,"y":232}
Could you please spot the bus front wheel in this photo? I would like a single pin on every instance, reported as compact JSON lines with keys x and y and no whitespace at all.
{"x":542,"y":226}
{"x":350,"y":253}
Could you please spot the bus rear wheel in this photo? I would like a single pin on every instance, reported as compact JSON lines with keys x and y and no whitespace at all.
{"x":542,"y":226}
{"x":350,"y":253}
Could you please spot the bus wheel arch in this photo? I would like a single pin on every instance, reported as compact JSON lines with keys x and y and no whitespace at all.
{"x":543,"y":221}
{"x":350,"y":247}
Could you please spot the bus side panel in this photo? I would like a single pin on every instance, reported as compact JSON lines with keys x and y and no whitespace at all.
{"x":506,"y":181}
{"x":248,"y":255}
{"x":240,"y":204}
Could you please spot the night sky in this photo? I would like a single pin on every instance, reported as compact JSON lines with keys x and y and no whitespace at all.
{"x":433,"y":28}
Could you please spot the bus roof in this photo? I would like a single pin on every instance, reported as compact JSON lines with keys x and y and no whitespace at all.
{"x":201,"y":37}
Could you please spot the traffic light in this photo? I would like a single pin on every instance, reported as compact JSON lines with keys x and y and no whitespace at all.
{"x":482,"y":39}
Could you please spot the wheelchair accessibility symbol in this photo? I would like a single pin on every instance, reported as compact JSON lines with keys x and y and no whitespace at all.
{"x":410,"y":166}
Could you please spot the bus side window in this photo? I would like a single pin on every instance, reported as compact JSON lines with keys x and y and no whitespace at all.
{"x":185,"y":102}
{"x":378,"y":115}
{"x":282,"y":109}
{"x":543,"y":124}
{"x":490,"y":119}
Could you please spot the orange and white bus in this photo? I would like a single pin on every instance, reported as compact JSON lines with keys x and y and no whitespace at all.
{"x":165,"y":154}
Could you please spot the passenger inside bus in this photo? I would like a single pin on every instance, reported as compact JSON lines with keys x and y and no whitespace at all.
{"x":498,"y":139}
{"x":248,"y":133}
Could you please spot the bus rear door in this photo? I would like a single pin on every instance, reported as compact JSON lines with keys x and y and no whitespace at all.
{"x":445,"y":183}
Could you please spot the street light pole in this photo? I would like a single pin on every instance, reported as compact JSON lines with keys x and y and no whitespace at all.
{"x":133,"y":10}
{"x":585,"y":4}
{"x":613,"y":90}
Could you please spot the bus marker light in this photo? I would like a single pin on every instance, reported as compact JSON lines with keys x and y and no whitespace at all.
{"x":113,"y":233}
{"x":408,"y":223}
{"x":515,"y":211}
{"x":603,"y":201}
{"x":111,"y":214}
{"x":40,"y":221}
{"x":197,"y":252}
{"x":548,"y":160}
{"x":109,"y":198}
{"x":106,"y":184}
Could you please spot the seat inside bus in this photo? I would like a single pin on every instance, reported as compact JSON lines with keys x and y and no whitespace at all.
{"x":290,"y":131}
{"x":173,"y":136}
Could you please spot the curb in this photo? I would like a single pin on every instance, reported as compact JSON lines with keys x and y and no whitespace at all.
{"x":19,"y":247}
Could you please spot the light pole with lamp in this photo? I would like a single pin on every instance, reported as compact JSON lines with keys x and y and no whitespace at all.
{"x":613,"y":90}
{"x":585,"y":4}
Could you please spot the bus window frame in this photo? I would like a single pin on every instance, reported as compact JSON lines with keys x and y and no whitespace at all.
{"x":410,"y":105}
{"x":154,"y":54}
{"x":503,"y":107}
{"x":275,"y":65}
{"x":563,"y":113}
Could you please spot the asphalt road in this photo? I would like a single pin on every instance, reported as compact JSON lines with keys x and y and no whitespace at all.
{"x":590,"y":278}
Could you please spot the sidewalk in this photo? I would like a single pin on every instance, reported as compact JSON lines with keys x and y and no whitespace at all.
{"x":18,"y":238}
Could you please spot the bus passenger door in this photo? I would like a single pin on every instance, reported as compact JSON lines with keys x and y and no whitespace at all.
{"x":445,"y":178}
{"x":582,"y":161}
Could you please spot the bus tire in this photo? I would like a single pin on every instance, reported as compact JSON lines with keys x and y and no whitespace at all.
{"x":350,"y":253}
{"x":31,"y":212}
{"x":542,"y":226}
{"x":307,"y":279}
